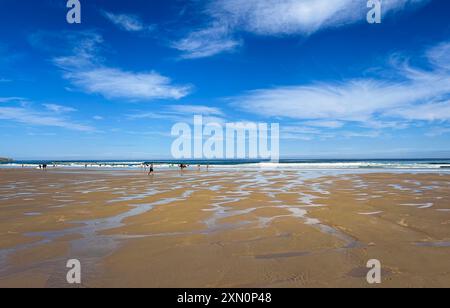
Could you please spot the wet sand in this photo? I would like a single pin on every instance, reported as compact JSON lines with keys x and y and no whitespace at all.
{"x":223,"y":228}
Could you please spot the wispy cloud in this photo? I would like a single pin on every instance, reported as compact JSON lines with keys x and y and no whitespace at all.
{"x":128,"y":22}
{"x":196,"y":109}
{"x":438,"y":131}
{"x":85,"y":69}
{"x":294,"y":132}
{"x":438,"y":111}
{"x":278,"y":17}
{"x":182,"y":113}
{"x":324,"y":124}
{"x":418,"y":95}
{"x":11,"y":99}
{"x":207,"y":42}
{"x":115,"y":83}
{"x":304,"y":133}
{"x":274,"y":18}
{"x":440,"y":56}
{"x":59,"y":108}
{"x":28,"y":116}
{"x":323,"y":131}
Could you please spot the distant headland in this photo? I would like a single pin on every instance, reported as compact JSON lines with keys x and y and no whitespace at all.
{"x":5,"y":160}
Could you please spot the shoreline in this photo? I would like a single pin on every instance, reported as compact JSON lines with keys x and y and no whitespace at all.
{"x":234,"y":168}
{"x":299,"y":164}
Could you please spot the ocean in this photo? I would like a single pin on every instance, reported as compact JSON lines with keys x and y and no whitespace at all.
{"x":283,"y":163}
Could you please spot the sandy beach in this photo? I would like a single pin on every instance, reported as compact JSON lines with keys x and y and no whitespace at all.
{"x":223,"y":228}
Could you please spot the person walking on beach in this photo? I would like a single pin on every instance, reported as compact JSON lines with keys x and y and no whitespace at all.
{"x":152,"y":170}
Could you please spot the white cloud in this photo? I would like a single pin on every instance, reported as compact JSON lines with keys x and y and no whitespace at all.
{"x":306,"y":133}
{"x":30,"y":117}
{"x":127,"y":22}
{"x":98,"y":118}
{"x":274,"y":18}
{"x":195,"y":110}
{"x":439,"y":111}
{"x":58,"y":108}
{"x":85,"y":70}
{"x":440,"y":55}
{"x":438,"y":131}
{"x":11,"y":99}
{"x":291,"y":136}
{"x":356,"y":100}
{"x":207,"y":42}
{"x":417,"y":95}
{"x":300,"y":130}
{"x":183,"y":113}
{"x":153,"y":116}
{"x":325,"y":124}
{"x":368,"y":134}
{"x":115,"y":83}
{"x":391,"y":124}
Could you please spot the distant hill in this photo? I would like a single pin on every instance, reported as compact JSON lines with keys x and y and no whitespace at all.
{"x":4,"y":160}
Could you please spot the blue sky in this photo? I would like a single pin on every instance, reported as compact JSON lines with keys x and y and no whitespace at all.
{"x":112,"y":87}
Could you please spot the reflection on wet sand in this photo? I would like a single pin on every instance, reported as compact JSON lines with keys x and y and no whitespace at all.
{"x":198,"y":229}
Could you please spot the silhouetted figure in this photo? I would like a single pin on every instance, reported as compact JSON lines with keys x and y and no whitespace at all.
{"x":152,"y":170}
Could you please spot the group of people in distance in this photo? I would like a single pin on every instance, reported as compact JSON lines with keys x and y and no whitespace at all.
{"x":151,"y":167}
